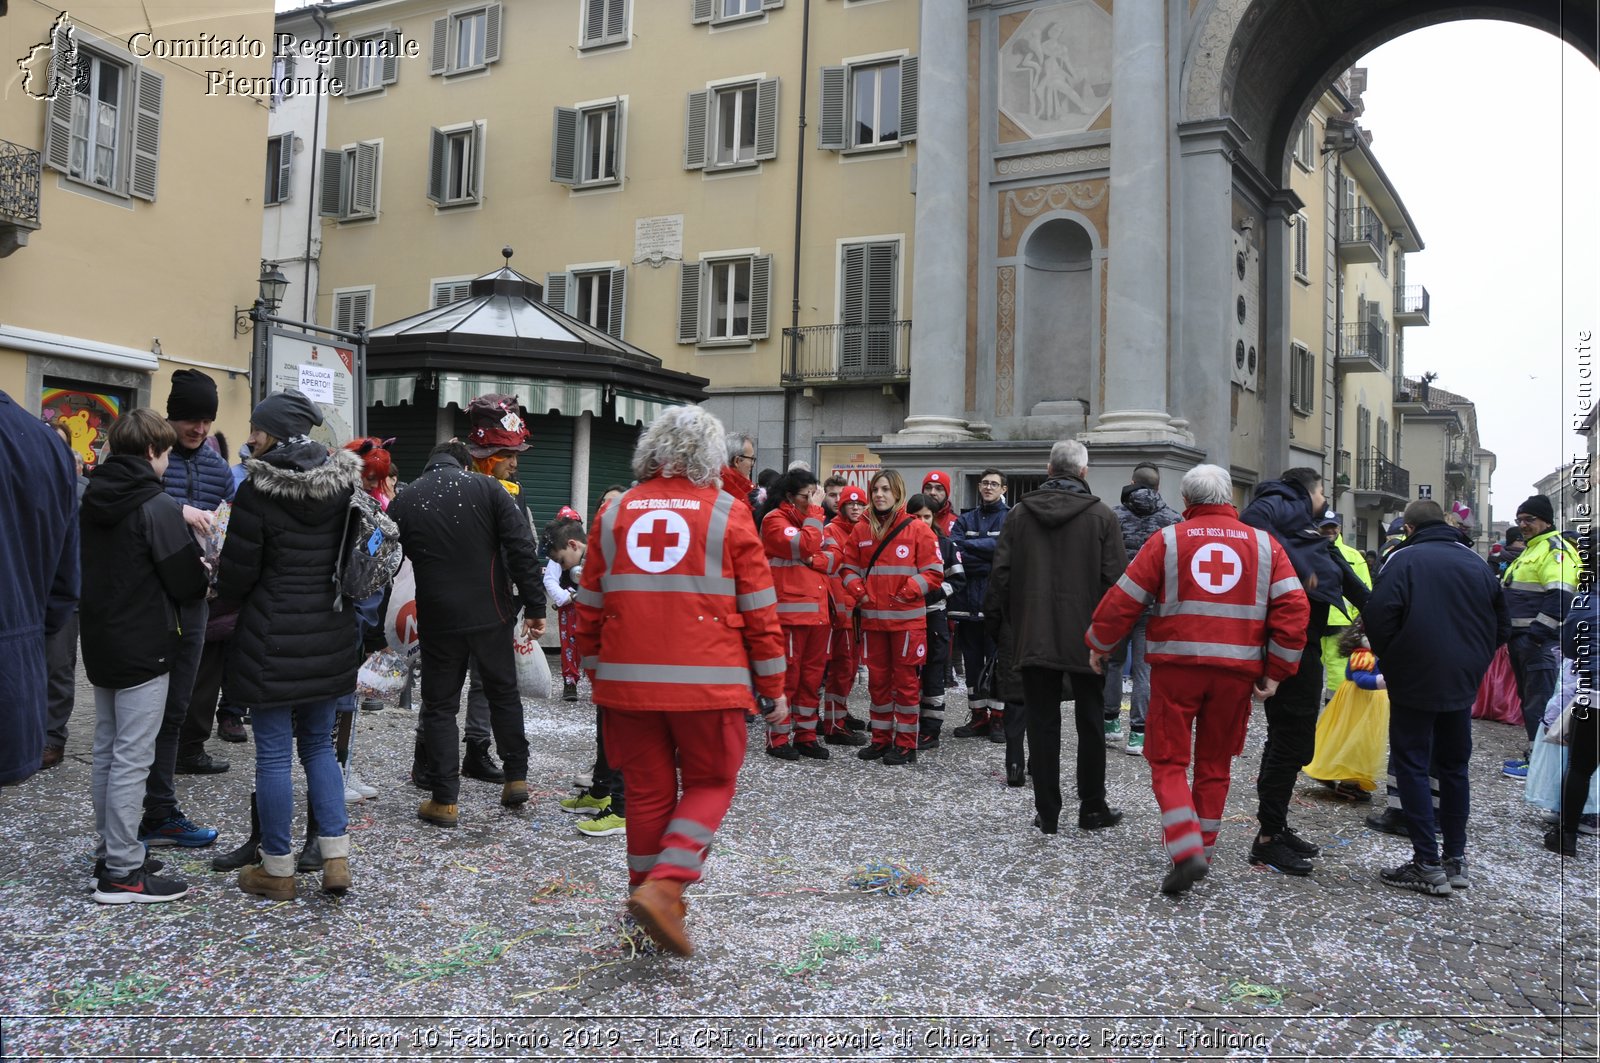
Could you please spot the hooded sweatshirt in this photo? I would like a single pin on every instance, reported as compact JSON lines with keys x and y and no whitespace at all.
{"x":1143,"y":512}
{"x":139,"y":563}
{"x":1059,"y":552}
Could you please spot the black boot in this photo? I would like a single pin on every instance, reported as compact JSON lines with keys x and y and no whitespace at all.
{"x":248,"y":853}
{"x":311,"y":852}
{"x":421,"y":777}
{"x":478,"y":764}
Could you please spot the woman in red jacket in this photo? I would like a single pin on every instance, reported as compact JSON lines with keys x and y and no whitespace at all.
{"x":891,"y":562}
{"x":844,"y":644}
{"x":791,"y":534}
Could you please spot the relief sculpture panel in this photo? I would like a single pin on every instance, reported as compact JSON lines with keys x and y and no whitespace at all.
{"x":1055,"y":69}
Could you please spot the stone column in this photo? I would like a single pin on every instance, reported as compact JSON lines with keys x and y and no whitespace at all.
{"x":939,"y":259}
{"x":582,"y":450}
{"x":1138,"y":290}
{"x":1276,"y":418}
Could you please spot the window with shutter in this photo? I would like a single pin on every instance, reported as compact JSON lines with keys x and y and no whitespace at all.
{"x":592,"y":298}
{"x":280,"y":158}
{"x":604,"y":22}
{"x":868,"y":307}
{"x":103,"y":124}
{"x":767,"y":119}
{"x":619,"y":302}
{"x":830,"y":126}
{"x":869,"y":105}
{"x":586,"y":144}
{"x":696,"y":123}
{"x":1302,"y":379}
{"x":1302,"y":248}
{"x":147,"y":88}
{"x":452,"y":290}
{"x":731,"y":125}
{"x":370,"y":68}
{"x":558,"y":291}
{"x":352,"y":308}
{"x":350,"y":182}
{"x":466,"y":40}
{"x":454,"y":165}
{"x":689,"y":301}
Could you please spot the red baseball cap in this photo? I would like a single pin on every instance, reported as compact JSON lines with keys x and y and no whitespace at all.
{"x":852,"y":493}
{"x":937,"y":477}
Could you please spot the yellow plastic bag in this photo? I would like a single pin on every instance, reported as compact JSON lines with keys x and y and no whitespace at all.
{"x":1352,"y":737}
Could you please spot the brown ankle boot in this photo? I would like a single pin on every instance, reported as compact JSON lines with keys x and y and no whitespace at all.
{"x":514,"y":793}
{"x":657,"y":905}
{"x":273,"y":878}
{"x":335,"y":863}
{"x":440,"y":815}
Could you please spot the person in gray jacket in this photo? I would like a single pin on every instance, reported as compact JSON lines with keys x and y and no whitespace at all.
{"x":1141,"y":513}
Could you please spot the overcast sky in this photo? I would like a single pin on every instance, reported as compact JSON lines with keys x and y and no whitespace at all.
{"x":1488,"y":131}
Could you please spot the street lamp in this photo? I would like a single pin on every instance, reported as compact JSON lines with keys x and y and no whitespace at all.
{"x":269,"y":296}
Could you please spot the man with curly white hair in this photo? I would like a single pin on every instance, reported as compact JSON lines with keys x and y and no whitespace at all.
{"x":677,"y":621}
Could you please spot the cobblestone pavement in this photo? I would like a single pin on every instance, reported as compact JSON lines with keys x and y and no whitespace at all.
{"x":502,"y":938}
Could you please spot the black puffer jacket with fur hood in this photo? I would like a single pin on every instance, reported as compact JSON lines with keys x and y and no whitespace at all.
{"x":290,"y":645}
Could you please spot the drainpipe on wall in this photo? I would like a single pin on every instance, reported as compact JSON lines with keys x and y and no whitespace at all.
{"x":799,"y":214}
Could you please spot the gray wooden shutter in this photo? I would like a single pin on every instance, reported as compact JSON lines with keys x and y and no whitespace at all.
{"x":908,"y":99}
{"x":619,"y":288}
{"x":880,"y":338}
{"x":391,"y":62}
{"x":619,"y":129}
{"x":767,"y":119}
{"x":760,"y":295}
{"x":441,"y":50}
{"x":491,"y":34}
{"x":688,"y":302}
{"x":853,"y":307}
{"x":695,"y":130}
{"x":341,"y":311}
{"x":339,"y":70}
{"x":771,"y":5}
{"x":438,"y":162}
{"x":557,"y":291}
{"x":352,"y":309}
{"x":477,"y":162}
{"x":63,"y":88}
{"x":616,"y":20}
{"x":364,"y":189}
{"x":703,"y":10}
{"x":564,"y":146}
{"x":594,"y":21}
{"x":285,"y":166}
{"x":147,"y":86}
{"x":332,"y":182}
{"x":831,"y":128}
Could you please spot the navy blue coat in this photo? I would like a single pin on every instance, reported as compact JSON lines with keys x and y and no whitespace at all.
{"x":1283,"y":510}
{"x":38,"y":576}
{"x":201,"y":478}
{"x":1435,"y":618}
{"x":975,"y":534}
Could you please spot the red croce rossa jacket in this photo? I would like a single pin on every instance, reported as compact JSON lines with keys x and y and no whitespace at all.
{"x":1221,"y":594}
{"x":677,"y":611}
{"x":795,"y":546}
{"x":891,"y":592}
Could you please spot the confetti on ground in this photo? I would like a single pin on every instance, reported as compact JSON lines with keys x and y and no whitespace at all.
{"x":480,"y":946}
{"x":560,"y":886}
{"x":97,"y":996}
{"x":891,"y":880}
{"x":1239,"y":992}
{"x":823,"y":946}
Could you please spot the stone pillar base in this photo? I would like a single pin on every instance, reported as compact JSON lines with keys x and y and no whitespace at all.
{"x":931,"y":428}
{"x":1138,"y":426}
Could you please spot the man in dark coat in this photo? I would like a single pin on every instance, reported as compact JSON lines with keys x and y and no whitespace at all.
{"x":1435,"y":618}
{"x":38,"y":577}
{"x":1058,"y":554}
{"x":975,"y":534}
{"x":462,"y":532}
{"x":1142,"y":512}
{"x":1287,"y":509}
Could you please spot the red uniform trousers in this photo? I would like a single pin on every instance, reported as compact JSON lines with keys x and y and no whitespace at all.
{"x":894,"y":660}
{"x":567,"y":624}
{"x":805,"y":655}
{"x":1210,"y":708}
{"x":681,"y":768}
{"x":844,"y":651}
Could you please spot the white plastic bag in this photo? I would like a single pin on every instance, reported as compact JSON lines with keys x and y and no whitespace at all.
{"x":400,"y":620}
{"x":533,"y":670}
{"x":384,"y":676}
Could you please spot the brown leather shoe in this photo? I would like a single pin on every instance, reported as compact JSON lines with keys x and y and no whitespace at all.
{"x":657,"y":905}
{"x":439,"y":815}
{"x":514,"y":793}
{"x":273,"y":878}
{"x":52,"y":757}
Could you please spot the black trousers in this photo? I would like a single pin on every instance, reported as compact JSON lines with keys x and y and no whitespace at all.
{"x":1042,"y":690}
{"x":1291,"y":729}
{"x":61,"y":662}
{"x":160,"y":788}
{"x":976,"y":649}
{"x":1537,"y":672}
{"x":1016,"y":730}
{"x":202,"y":701}
{"x":444,"y":669}
{"x":607,"y":779}
{"x":1441,"y":742}
{"x":1584,"y":748}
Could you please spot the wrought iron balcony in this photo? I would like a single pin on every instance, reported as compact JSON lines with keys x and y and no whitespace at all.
{"x":1364,"y":347}
{"x":1361,"y":236}
{"x":1380,"y":477}
{"x":19,"y":195}
{"x":1410,"y":304}
{"x":874,"y":352}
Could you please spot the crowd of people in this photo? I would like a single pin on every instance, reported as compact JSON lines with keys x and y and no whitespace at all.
{"x":222,"y":591}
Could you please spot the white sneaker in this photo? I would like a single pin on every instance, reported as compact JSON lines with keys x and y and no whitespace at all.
{"x":352,"y":781}
{"x":352,"y":796}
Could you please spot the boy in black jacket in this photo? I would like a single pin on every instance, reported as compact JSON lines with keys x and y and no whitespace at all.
{"x":141,"y":566}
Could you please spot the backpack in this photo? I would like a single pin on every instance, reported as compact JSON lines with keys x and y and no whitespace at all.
{"x":369,"y":551}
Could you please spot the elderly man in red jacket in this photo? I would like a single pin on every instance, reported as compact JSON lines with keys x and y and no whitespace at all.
{"x":677,"y":621}
{"x":1228,"y":621}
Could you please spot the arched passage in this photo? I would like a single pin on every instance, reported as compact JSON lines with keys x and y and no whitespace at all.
{"x":1058,"y":320}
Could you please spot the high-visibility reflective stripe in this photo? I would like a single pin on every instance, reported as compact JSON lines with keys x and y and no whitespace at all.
{"x":593,"y":599}
{"x":1133,"y":590}
{"x":756,"y":600}
{"x":642,"y":863}
{"x":806,"y":723}
{"x":674,"y":674}
{"x":906,"y":728}
{"x":1103,"y":647}
{"x":1528,"y":588}
{"x":799,"y":607}
{"x":1284,"y":586}
{"x":1204,"y":649}
{"x":813,"y":522}
{"x":1212,"y":825}
{"x":675,"y":857}
{"x":1174,"y":816}
{"x":894,"y":614}
{"x":794,"y":547}
{"x":935,"y":566}
{"x":1169,"y":563}
{"x":645,"y":583}
{"x":921,"y":582}
{"x":1559,"y":585}
{"x":784,"y":562}
{"x":1547,"y":620}
{"x":1222,"y":609}
{"x":771,"y":666}
{"x":895,"y":570}
{"x":1175,"y":848}
{"x":1523,"y":621}
{"x":1263,"y":566}
{"x":1283,"y":653}
{"x":589,"y":664}
{"x":882,"y":725}
{"x":720,"y":509}
{"x":877,"y":710}
{"x":608,"y":530}
{"x":781,"y":728}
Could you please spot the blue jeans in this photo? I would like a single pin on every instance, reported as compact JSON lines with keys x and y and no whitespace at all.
{"x":1129,"y":658}
{"x":310,"y":724}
